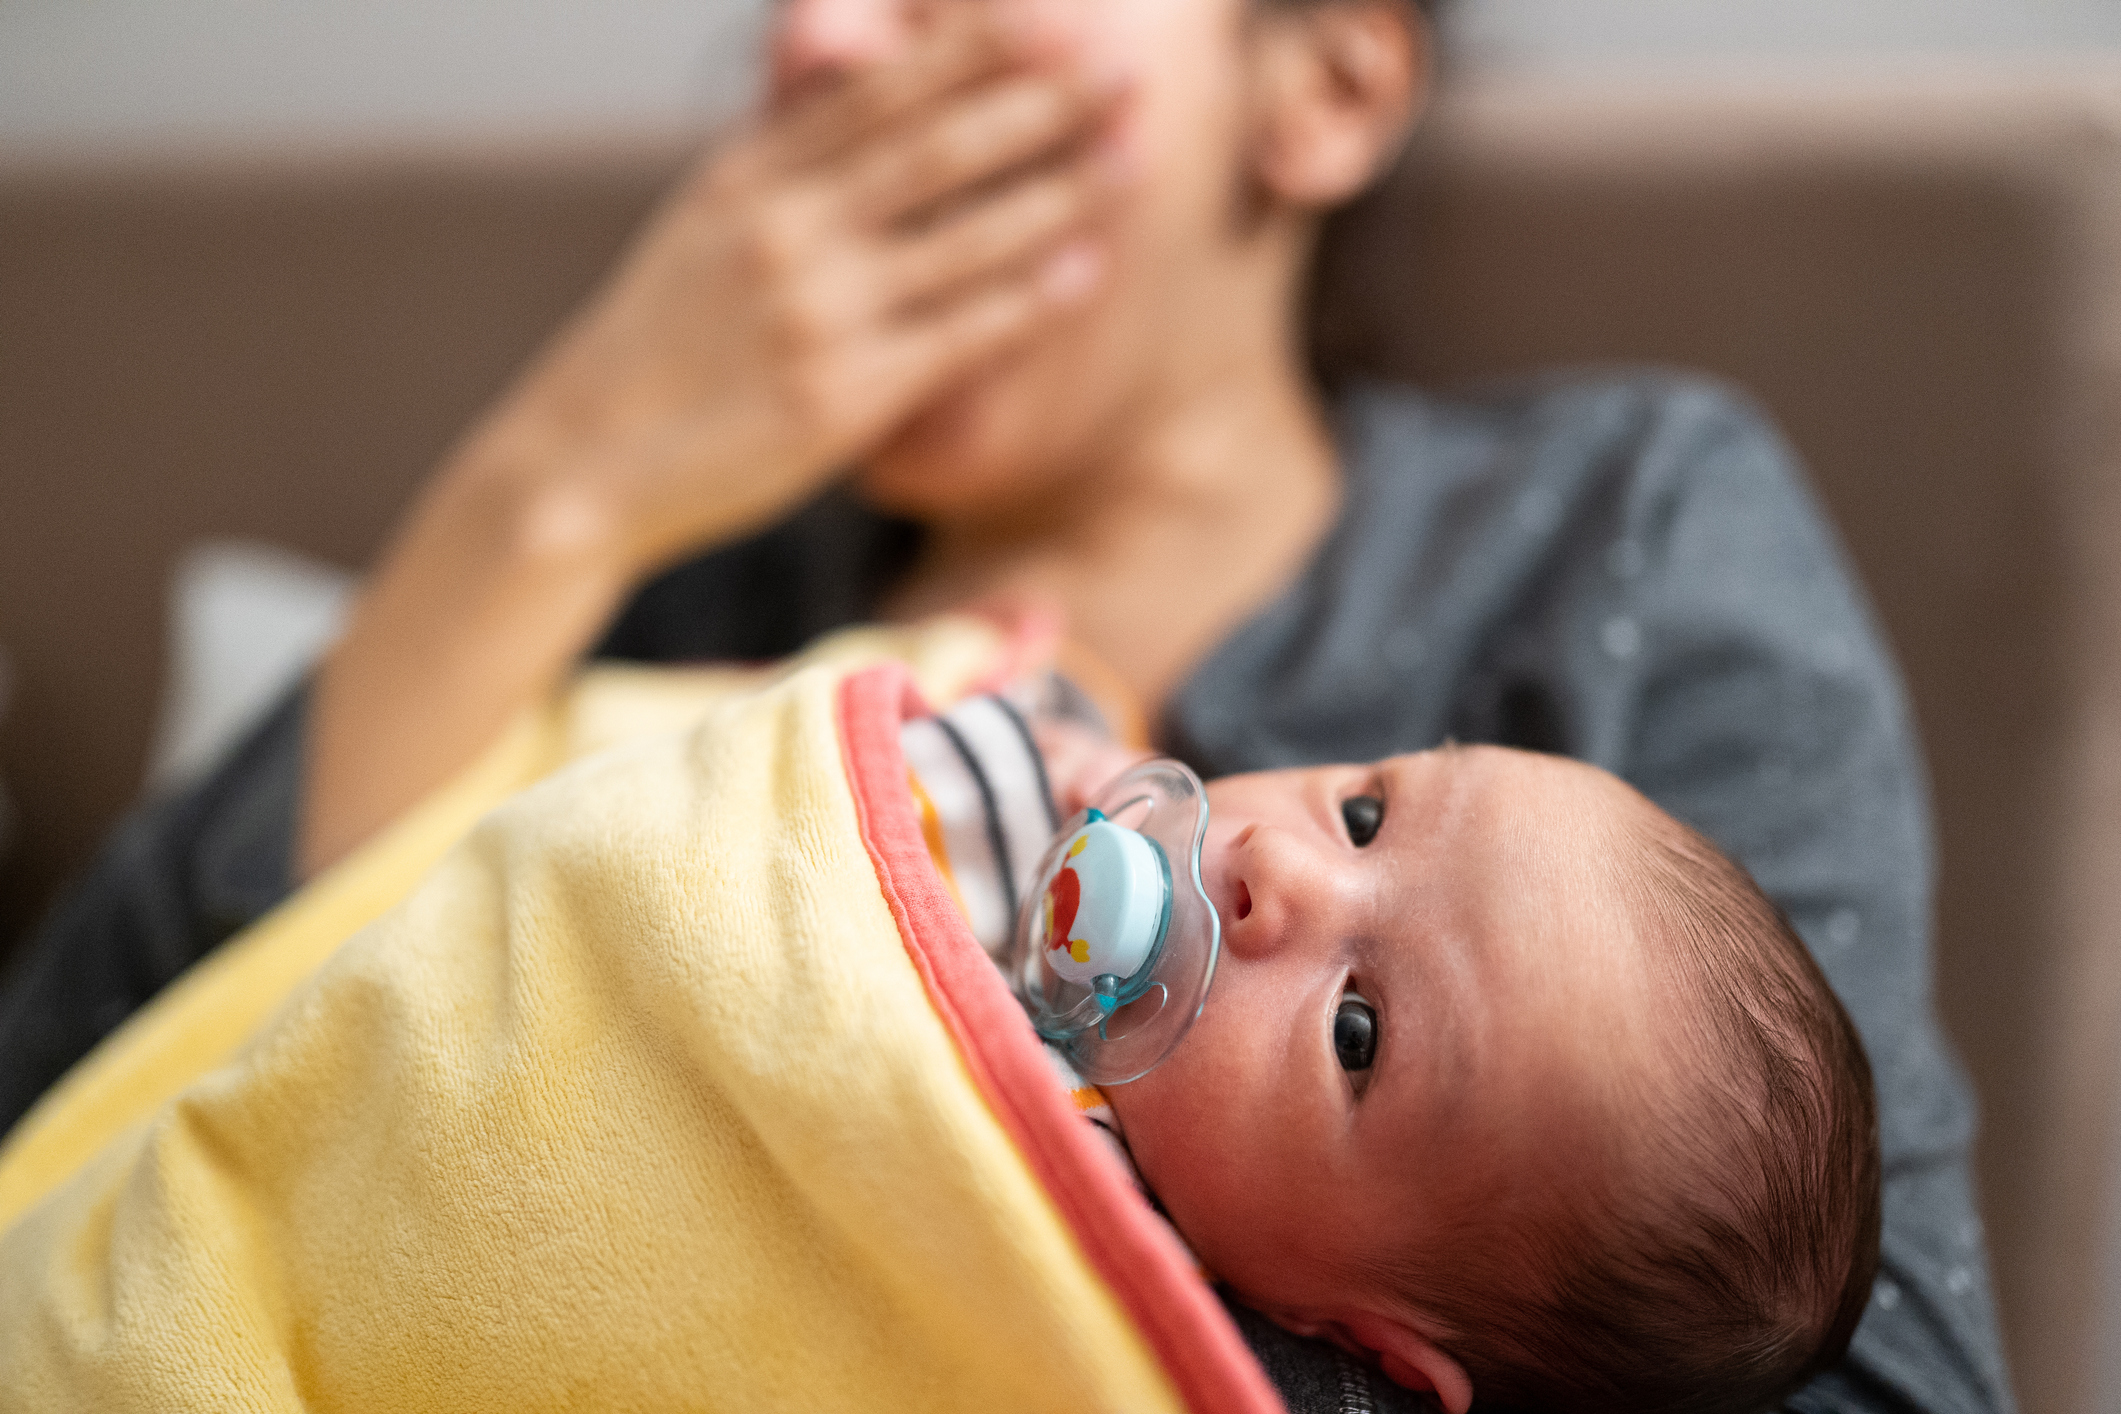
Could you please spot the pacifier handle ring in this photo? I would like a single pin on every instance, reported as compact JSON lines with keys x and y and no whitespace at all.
{"x":1139,"y":996}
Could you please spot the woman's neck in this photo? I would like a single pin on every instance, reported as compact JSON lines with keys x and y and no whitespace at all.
{"x":1176,"y":530}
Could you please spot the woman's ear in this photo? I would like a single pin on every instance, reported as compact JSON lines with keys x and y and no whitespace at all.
{"x":1410,"y":1359}
{"x":1336,"y":84}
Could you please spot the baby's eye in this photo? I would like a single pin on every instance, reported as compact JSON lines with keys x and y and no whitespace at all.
{"x":1362,"y":814}
{"x":1355,"y":1034}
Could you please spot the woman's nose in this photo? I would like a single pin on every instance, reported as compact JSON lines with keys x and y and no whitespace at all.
{"x":1285,"y":893}
{"x":819,"y":42}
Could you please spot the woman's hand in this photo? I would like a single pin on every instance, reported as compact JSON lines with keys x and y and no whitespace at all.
{"x":813,"y":283}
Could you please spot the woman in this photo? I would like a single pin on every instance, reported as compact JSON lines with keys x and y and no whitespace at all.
{"x":1037,"y":276}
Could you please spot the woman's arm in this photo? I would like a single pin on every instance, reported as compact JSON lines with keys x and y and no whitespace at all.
{"x":812,"y":284}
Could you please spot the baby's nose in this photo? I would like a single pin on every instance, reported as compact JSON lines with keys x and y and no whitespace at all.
{"x":1283,"y":894}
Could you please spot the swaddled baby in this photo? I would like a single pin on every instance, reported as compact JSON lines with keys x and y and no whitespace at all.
{"x":1507,"y":1079}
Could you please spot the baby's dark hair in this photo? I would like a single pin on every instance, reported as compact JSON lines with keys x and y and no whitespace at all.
{"x":1727,"y":1258}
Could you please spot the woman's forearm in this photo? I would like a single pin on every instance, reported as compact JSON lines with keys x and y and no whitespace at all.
{"x":496,"y":585}
{"x":807,"y":289}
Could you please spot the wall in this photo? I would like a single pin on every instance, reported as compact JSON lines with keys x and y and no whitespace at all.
{"x":133,"y":74}
{"x":1576,"y":31}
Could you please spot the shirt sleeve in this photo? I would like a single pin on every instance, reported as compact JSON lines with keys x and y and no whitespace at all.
{"x":177,"y":877}
{"x":1715,"y":651}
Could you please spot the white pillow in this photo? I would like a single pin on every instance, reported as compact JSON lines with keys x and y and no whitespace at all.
{"x":245,"y":620}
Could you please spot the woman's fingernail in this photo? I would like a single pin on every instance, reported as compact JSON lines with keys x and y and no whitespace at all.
{"x":1072,"y":272}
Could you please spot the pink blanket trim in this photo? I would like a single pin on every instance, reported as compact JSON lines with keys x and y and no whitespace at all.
{"x":1173,"y":1308}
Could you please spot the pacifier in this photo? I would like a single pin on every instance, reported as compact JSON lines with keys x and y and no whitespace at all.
{"x":1116,"y":939}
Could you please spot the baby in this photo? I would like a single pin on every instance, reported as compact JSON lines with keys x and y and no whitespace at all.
{"x":1507,"y":1080}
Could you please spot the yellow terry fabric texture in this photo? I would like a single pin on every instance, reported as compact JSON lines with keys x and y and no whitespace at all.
{"x":636,"y":1102}
{"x":201,"y":1019}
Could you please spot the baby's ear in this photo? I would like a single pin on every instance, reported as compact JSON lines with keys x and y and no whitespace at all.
{"x":1411,"y":1359}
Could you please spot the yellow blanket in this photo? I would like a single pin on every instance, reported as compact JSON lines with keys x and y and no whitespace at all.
{"x":677,"y":1084}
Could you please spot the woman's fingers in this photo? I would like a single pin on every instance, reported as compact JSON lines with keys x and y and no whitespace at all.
{"x":925,"y":354}
{"x":979,"y":136}
{"x":968,"y":46}
{"x":1007,"y":229}
{"x":769,"y":326}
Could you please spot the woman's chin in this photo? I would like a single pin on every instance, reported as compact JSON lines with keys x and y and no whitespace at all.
{"x":962,"y":452}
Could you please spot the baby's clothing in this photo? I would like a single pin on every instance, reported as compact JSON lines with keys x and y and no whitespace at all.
{"x":988,"y":813}
{"x":987,"y":810}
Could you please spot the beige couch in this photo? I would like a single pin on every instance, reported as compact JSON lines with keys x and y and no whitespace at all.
{"x":1920,"y":273}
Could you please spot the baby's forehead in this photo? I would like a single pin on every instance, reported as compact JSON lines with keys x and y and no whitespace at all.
{"x":1552,"y":873}
{"x":1510,"y":799}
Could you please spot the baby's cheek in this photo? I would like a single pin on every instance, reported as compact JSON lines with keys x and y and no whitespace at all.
{"x":1180,"y":1145}
{"x":1162,"y":1123}
{"x":1140,"y":1106}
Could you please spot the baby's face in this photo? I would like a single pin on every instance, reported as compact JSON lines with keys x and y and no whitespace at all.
{"x":1397,"y":1027}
